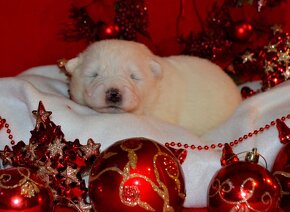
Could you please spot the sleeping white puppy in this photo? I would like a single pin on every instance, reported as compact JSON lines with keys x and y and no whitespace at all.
{"x":115,"y":76}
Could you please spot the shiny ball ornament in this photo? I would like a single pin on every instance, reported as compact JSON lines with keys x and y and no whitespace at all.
{"x":281,"y":167}
{"x":109,"y":31}
{"x":243,"y":186}
{"x":247,"y":92}
{"x":242,"y":31}
{"x":22,"y":190}
{"x":136,"y":174}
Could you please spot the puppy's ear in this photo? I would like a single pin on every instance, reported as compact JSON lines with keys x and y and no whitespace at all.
{"x":72,"y":64}
{"x":156,"y":68}
{"x":68,"y":66}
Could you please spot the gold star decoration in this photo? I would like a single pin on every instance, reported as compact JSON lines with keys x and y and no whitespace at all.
{"x":268,"y":67}
{"x":41,"y":115}
{"x":55,"y":148}
{"x":70,"y":175}
{"x":91,"y":148}
{"x":248,"y":57}
{"x":46,"y":170}
{"x":284,"y":56}
{"x":30,"y":148}
{"x":288,"y":42}
{"x":271,"y":48}
{"x":6,"y":155}
{"x":287,"y":73}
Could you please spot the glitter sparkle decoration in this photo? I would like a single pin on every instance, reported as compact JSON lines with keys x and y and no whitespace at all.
{"x":91,"y":148}
{"x":248,"y":56}
{"x":270,"y":64}
{"x":276,"y":60}
{"x":56,"y":147}
{"x":70,"y":175}
{"x":223,"y":37}
{"x":62,"y":164}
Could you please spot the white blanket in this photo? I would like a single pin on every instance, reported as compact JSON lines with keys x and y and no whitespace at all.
{"x":20,"y":95}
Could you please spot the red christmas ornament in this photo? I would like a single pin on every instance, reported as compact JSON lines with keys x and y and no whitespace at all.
{"x":281,"y":167}
{"x":22,"y":190}
{"x":136,"y":174}
{"x":243,"y":186}
{"x":247,"y":92}
{"x":242,"y":31}
{"x":109,"y":31}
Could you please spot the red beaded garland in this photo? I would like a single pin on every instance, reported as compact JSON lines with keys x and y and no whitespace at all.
{"x":232,"y":143}
{"x":180,"y":145}
{"x":8,"y":130}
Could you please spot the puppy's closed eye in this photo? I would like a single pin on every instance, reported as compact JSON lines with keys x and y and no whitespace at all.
{"x":134,"y":77}
{"x":92,"y":75}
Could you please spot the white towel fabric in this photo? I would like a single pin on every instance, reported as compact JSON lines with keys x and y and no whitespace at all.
{"x":20,"y":95}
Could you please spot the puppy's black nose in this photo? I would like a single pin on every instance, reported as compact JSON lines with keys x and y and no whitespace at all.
{"x":113,"y":96}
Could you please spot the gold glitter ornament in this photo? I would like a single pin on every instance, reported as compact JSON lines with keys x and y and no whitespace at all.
{"x":137,"y":174}
{"x":23,"y":190}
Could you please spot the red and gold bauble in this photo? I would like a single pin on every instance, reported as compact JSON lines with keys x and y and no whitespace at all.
{"x":136,"y":174}
{"x":281,"y":167}
{"x":22,"y":190}
{"x":243,"y":186}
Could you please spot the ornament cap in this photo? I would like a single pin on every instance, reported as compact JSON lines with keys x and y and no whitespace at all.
{"x":61,"y":63}
{"x":252,"y":156}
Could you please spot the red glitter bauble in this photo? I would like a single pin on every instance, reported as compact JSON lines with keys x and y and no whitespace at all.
{"x":281,"y":167}
{"x":136,"y":174}
{"x":242,"y":31}
{"x":281,"y":171}
{"x":243,"y":186}
{"x":22,"y":190}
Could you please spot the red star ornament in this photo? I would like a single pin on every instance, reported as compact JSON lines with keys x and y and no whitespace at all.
{"x":41,"y":115}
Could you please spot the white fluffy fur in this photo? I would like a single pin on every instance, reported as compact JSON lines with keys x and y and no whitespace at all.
{"x":188,"y":91}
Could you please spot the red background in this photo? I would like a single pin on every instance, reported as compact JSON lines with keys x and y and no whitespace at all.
{"x":30,"y":30}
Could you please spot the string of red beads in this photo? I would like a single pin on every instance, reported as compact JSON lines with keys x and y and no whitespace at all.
{"x":5,"y":125}
{"x":232,"y":143}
